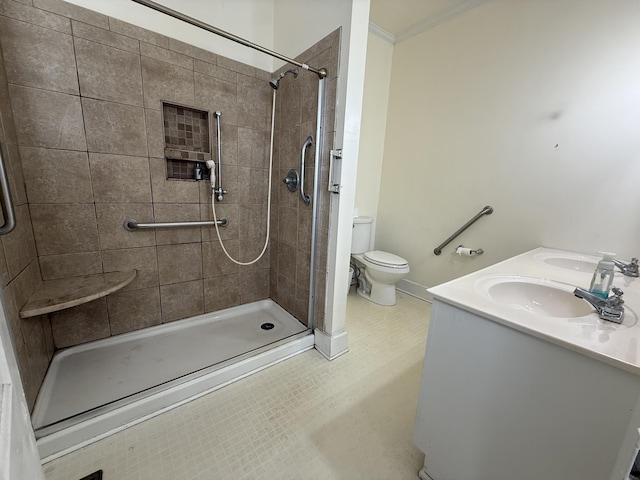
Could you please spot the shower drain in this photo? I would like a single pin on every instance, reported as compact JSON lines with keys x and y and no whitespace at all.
{"x":267,"y":326}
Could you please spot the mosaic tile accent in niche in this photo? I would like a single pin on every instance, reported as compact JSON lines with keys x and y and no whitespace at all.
{"x":185,"y":128}
{"x":186,"y":138}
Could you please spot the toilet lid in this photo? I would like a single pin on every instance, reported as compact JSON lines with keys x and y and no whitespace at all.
{"x":385,"y":259}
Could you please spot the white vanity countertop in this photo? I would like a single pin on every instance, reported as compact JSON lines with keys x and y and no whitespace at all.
{"x":616,"y":345}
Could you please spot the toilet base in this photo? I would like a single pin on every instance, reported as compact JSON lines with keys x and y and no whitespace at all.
{"x":380,"y":293}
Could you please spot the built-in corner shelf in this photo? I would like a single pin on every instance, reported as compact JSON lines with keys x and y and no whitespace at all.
{"x":55,"y":295}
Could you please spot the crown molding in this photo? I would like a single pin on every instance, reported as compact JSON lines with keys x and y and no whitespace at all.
{"x":421,"y":27}
{"x":382,"y":33}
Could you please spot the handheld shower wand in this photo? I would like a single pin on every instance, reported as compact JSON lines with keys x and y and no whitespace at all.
{"x":212,"y":175}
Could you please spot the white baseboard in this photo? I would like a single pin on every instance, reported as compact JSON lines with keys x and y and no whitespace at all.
{"x":331,"y":346}
{"x":414,"y":289}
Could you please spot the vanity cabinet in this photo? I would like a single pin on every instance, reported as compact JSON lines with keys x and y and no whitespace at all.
{"x":503,"y":401}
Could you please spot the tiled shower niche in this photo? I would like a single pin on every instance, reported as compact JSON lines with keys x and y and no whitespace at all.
{"x":186,"y":139}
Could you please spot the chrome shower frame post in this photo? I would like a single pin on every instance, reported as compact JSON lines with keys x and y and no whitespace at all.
{"x":316,"y":196}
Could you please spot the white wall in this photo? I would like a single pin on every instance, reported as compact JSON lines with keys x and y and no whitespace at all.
{"x":18,"y":450}
{"x":250,"y":19}
{"x":374,"y":121}
{"x":531,"y":107}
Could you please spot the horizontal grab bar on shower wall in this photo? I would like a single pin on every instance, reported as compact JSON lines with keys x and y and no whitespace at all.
{"x":132,"y":224}
{"x":10,"y":216}
{"x":488,"y":210}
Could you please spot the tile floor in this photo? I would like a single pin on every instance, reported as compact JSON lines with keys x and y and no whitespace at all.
{"x":305,"y":418}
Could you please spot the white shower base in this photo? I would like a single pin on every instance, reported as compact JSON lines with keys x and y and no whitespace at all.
{"x":95,"y":389}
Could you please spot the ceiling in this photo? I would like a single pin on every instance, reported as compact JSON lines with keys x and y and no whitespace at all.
{"x":403,"y":19}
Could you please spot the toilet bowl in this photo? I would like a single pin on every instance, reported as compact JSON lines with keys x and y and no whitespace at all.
{"x":379,"y":271}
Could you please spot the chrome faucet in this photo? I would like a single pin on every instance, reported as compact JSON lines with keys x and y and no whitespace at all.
{"x":628,"y":269}
{"x":610,"y":309}
{"x":220,"y":193}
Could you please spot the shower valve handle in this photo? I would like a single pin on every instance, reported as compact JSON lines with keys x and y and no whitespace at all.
{"x":292,"y":180}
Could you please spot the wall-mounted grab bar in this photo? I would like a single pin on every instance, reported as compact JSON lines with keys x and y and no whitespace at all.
{"x":307,"y":144}
{"x":132,"y":224}
{"x":7,"y":203}
{"x":219,"y":190}
{"x":488,"y":210}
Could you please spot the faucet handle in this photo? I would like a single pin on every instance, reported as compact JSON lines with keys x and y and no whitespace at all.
{"x":613,"y":309}
{"x":630,"y":269}
{"x":616,"y":300}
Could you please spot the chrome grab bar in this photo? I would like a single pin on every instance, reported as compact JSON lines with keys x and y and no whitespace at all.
{"x":132,"y":224}
{"x":307,"y":144}
{"x":7,"y":203}
{"x":488,"y":210}
{"x":219,"y":190}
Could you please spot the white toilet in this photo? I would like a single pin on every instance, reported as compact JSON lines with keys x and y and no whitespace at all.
{"x":379,"y":271}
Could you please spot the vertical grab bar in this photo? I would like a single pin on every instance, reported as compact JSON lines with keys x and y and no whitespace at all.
{"x":7,"y":203}
{"x":307,"y":144}
{"x":219,"y":189}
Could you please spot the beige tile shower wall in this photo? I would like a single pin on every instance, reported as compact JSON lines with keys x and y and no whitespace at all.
{"x":19,"y":269}
{"x":86,"y":93}
{"x":296,"y":118}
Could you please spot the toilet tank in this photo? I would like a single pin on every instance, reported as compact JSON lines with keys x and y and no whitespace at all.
{"x":361,"y":236}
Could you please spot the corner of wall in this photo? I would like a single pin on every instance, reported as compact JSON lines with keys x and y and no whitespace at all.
{"x":331,"y":346}
{"x":375,"y":105}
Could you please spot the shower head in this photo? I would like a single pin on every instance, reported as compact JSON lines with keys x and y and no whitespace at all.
{"x":276,"y":80}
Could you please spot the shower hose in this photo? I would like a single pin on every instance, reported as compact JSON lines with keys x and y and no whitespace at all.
{"x":213,"y":200}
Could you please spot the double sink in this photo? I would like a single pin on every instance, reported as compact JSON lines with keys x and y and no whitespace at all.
{"x":533,"y":293}
{"x":542,"y":296}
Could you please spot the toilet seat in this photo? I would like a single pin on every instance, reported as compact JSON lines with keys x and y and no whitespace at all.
{"x":385,"y":259}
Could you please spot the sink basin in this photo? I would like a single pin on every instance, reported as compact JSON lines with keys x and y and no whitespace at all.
{"x":569,"y":261}
{"x":535,"y":295}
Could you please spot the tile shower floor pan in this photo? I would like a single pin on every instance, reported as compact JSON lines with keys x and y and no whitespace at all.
{"x":104,"y":385}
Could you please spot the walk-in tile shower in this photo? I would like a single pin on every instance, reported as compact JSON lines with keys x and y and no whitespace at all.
{"x":103,"y":121}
